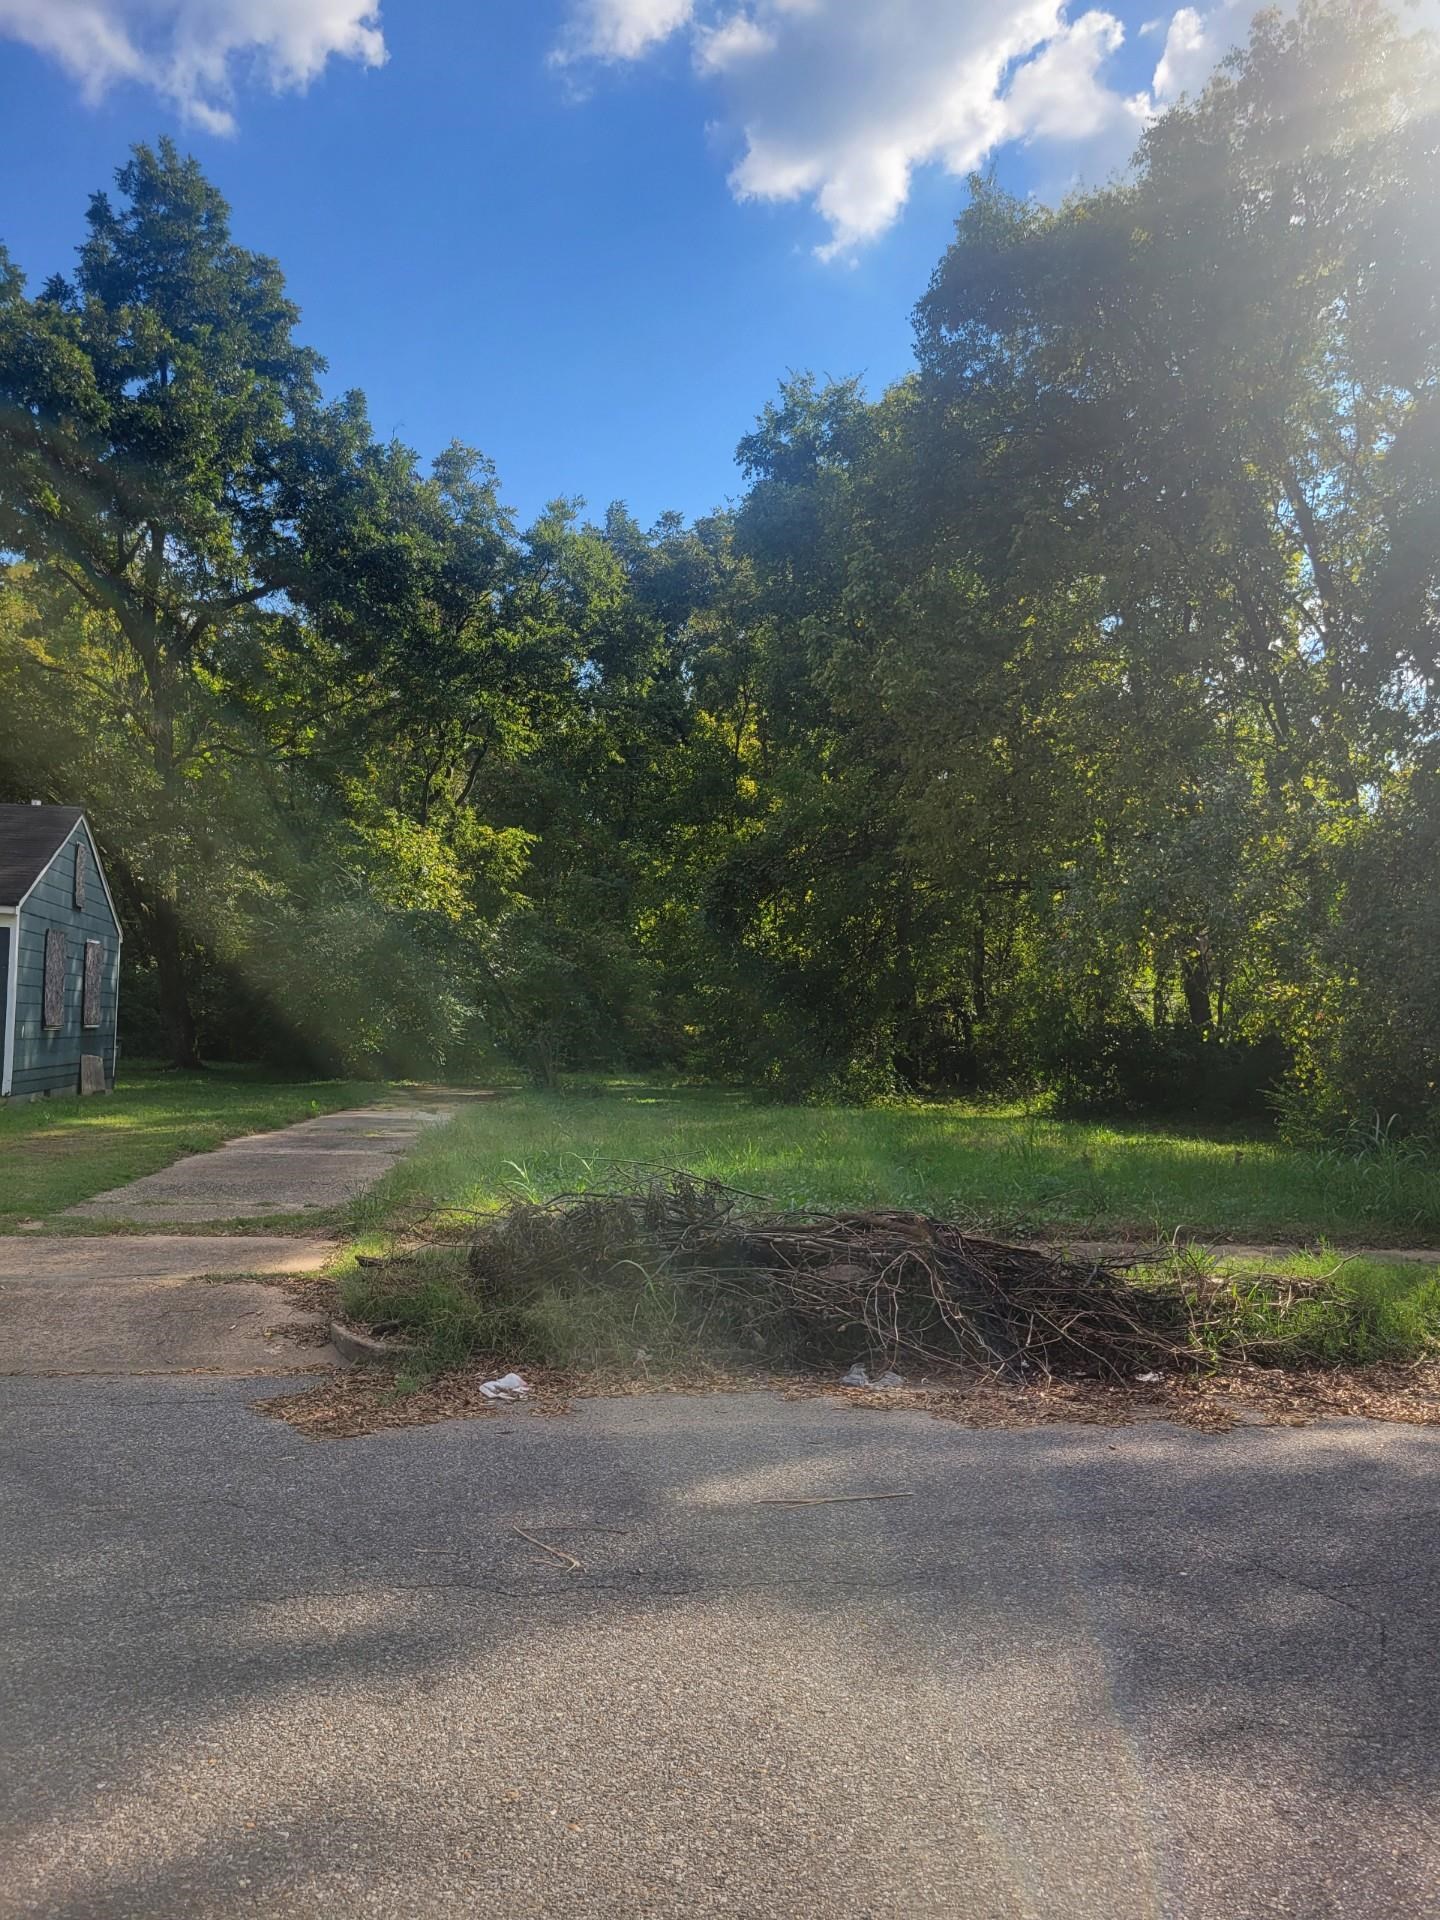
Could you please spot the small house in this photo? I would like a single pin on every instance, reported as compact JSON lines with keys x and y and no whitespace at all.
{"x":59,"y":956}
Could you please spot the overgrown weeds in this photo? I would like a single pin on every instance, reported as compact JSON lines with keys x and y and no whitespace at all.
{"x":1320,"y":1310}
{"x":652,"y":1274}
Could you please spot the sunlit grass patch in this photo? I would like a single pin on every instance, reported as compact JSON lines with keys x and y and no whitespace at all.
{"x":995,"y":1165}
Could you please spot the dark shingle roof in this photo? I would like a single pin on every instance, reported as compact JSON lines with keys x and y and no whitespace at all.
{"x":30,"y":838}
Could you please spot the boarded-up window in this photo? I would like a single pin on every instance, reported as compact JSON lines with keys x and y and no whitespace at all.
{"x":57,"y":958}
{"x":82,"y":867}
{"x":94,"y":962}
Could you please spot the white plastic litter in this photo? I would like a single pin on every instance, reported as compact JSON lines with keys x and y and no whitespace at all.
{"x":508,"y":1387}
{"x":858,"y":1377}
{"x":1149,"y":1379}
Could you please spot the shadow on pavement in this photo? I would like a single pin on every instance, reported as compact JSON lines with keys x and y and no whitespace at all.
{"x":1076,"y":1672}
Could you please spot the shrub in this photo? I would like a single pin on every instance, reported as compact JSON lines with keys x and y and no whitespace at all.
{"x":1125,"y":1065}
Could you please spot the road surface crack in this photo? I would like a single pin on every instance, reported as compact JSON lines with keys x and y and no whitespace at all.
{"x":1376,"y":1620}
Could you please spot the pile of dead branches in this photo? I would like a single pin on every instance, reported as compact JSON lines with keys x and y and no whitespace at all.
{"x":881,"y":1286}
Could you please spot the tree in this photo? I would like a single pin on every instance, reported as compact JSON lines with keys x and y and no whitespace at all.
{"x":146,"y":413}
{"x":1202,"y":397}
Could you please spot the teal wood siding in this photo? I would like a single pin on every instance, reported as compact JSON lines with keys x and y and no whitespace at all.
{"x":47,"y":1060}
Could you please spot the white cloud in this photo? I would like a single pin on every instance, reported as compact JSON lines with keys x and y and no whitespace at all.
{"x":1192,"y":45}
{"x":737,"y":39}
{"x":838,"y":101}
{"x":1061,"y":94}
{"x":192,"y":51}
{"x":621,"y":29}
{"x":86,"y":39}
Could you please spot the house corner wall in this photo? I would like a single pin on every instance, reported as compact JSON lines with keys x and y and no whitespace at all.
{"x":9,"y":958}
{"x":47,"y":1060}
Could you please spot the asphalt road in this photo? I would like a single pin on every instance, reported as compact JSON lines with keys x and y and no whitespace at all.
{"x":1079,"y":1674}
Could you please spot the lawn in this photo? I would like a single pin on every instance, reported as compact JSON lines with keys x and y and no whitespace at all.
{"x":996,"y":1165}
{"x":610,"y":1302}
{"x":56,"y":1152}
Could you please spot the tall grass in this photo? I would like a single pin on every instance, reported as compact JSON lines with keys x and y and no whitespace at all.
{"x":620,"y":1319}
{"x":1333,"y":1312}
{"x":997,"y":1165}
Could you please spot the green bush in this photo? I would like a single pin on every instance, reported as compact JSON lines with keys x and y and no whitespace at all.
{"x":1125,"y":1065}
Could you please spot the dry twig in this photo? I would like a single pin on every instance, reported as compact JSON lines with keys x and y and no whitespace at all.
{"x":823,"y":1285}
{"x":567,"y":1560}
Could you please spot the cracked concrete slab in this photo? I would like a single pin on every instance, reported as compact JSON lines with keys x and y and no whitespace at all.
{"x":74,"y":1259}
{"x":316,"y":1165}
{"x":156,"y":1326}
{"x":139,"y":1303}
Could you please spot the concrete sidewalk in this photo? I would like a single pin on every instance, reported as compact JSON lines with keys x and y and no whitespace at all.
{"x":141,"y":1303}
{"x":128,"y":1303}
{"x":1121,"y":1253}
{"x":320,"y":1163}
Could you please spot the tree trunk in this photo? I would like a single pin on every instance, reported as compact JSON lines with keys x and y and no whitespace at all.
{"x":979,"y":991}
{"x":1195,"y":984}
{"x":175,"y":1008}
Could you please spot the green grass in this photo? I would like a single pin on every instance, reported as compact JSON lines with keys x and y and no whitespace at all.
{"x":1339,"y":1311}
{"x":54,"y":1153}
{"x":994,"y":1164}
{"x":632,"y":1323}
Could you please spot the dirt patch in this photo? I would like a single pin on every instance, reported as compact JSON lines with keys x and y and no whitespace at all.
{"x":59,"y":1143}
{"x":351,"y":1404}
{"x":1259,"y":1396}
{"x":348,"y":1405}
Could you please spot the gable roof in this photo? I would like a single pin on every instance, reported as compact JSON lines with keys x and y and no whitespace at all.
{"x":30,"y":838}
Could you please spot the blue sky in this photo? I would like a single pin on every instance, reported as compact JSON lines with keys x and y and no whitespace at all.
{"x":587,"y":236}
